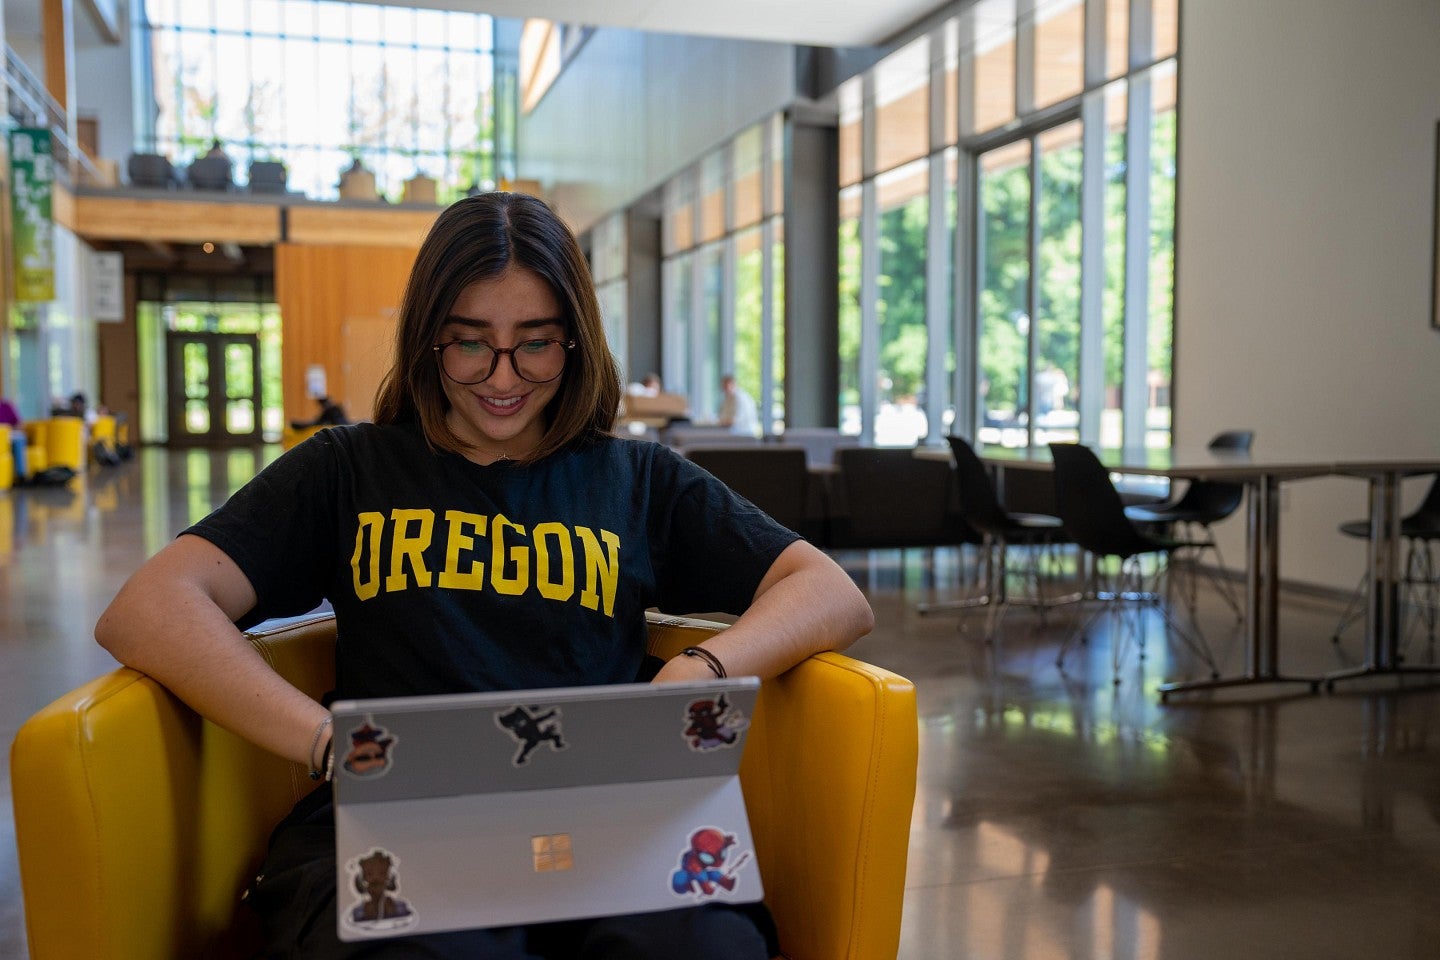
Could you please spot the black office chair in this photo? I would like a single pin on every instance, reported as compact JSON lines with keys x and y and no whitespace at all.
{"x":1419,"y":529}
{"x":771,"y":476}
{"x":150,"y":170}
{"x":1094,"y":517}
{"x":211,"y":173}
{"x":267,"y":176}
{"x":1201,"y":504}
{"x":980,"y":508}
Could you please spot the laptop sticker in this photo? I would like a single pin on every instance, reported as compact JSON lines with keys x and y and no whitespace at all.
{"x":380,"y":909}
{"x":702,"y":867}
{"x":711,"y":724}
{"x":531,"y":729}
{"x":369,"y":753}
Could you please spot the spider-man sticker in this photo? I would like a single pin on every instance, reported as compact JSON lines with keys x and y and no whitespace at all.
{"x":703,"y":872}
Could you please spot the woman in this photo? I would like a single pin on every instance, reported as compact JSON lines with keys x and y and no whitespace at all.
{"x":486,"y":532}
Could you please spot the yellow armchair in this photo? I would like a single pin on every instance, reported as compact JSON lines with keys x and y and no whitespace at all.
{"x":290,"y":436}
{"x":138,"y":824}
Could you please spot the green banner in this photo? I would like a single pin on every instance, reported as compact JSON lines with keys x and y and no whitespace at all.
{"x":32,"y":173}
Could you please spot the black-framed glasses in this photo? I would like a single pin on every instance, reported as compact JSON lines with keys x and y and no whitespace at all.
{"x":469,"y":362}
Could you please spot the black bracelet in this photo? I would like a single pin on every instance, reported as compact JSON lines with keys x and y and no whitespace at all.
{"x":712,"y":661}
{"x":326,"y":759}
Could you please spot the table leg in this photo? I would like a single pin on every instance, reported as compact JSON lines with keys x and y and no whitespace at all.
{"x":1382,"y":621}
{"x":1262,"y":596}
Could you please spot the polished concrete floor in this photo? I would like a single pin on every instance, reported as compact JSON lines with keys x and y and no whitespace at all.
{"x":1058,"y":815}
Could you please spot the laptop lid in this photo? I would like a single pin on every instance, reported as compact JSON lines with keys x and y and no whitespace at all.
{"x":495,"y":809}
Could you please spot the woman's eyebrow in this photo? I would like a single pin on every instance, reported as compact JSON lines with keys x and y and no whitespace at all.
{"x":487,"y":325}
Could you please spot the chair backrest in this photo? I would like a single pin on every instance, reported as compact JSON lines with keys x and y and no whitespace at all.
{"x":211,"y":173}
{"x":1088,"y":504}
{"x":138,"y":824}
{"x":149,"y":170}
{"x":1214,"y":500}
{"x":65,"y":443}
{"x":888,"y":497}
{"x":979,"y":505}
{"x":267,"y":176}
{"x":1429,"y":508}
{"x":1239,"y":440}
{"x":773,"y":477}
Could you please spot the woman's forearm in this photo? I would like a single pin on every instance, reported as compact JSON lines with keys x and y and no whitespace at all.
{"x":805,"y":605}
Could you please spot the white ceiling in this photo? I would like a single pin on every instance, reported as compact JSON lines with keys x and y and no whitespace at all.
{"x":822,"y":23}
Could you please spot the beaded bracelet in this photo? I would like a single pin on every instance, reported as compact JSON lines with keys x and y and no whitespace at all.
{"x":317,"y":770}
{"x":712,"y":661}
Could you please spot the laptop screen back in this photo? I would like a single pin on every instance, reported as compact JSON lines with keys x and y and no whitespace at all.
{"x":495,"y":809}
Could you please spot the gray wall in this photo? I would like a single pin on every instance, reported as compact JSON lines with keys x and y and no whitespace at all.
{"x":631,"y":109}
{"x":1304,"y":246}
{"x":102,"y":87}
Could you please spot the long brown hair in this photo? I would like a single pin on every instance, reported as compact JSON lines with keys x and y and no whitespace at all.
{"x":476,"y":239}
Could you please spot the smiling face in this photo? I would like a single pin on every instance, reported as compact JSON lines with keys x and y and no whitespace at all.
{"x":504,"y":415}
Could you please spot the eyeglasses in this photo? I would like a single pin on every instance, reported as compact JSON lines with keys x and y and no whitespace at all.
{"x":469,"y":362}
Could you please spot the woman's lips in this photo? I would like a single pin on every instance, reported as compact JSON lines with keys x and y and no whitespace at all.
{"x":502,"y":406}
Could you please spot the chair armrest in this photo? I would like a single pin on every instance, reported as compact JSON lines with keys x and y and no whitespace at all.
{"x":829,"y":781}
{"x":138,"y":825}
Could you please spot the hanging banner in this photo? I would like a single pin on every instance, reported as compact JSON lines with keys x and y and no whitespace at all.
{"x":32,"y":173}
{"x":107,"y":286}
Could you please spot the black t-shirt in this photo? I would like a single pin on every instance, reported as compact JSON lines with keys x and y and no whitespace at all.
{"x":447,"y":576}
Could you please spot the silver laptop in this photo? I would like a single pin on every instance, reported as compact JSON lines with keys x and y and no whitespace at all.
{"x":492,"y":809}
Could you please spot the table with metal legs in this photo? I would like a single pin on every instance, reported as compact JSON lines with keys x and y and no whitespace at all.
{"x":1262,"y":473}
{"x":1262,"y":477}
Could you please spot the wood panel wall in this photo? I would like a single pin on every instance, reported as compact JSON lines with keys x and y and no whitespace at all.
{"x":320,"y":290}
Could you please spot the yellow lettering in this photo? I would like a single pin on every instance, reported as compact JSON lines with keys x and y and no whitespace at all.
{"x":367,"y":535}
{"x":404,"y":545}
{"x":565,"y":587}
{"x":511,"y":586}
{"x":602,"y":566}
{"x":452,"y":577}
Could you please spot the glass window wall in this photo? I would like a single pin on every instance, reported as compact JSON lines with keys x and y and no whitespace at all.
{"x":318,"y":85}
{"x":1058,"y":275}
{"x":722,"y":240}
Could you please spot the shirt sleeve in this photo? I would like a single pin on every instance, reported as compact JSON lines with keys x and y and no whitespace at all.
{"x":280,"y":530}
{"x":710,"y":547}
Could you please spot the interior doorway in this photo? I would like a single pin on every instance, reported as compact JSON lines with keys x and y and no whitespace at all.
{"x":213,"y":398}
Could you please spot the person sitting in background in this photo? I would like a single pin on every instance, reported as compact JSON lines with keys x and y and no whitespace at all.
{"x":331,"y":414}
{"x":10,"y":417}
{"x":738,"y":410}
{"x":76,"y":406}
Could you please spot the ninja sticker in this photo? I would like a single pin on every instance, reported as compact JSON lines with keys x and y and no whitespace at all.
{"x":375,"y":877}
{"x":369,"y":753}
{"x":703,"y":872}
{"x":711,"y":724}
{"x":530,"y":728}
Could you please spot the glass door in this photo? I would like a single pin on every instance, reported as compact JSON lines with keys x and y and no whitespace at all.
{"x":1028,"y":308}
{"x":214,"y":389}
